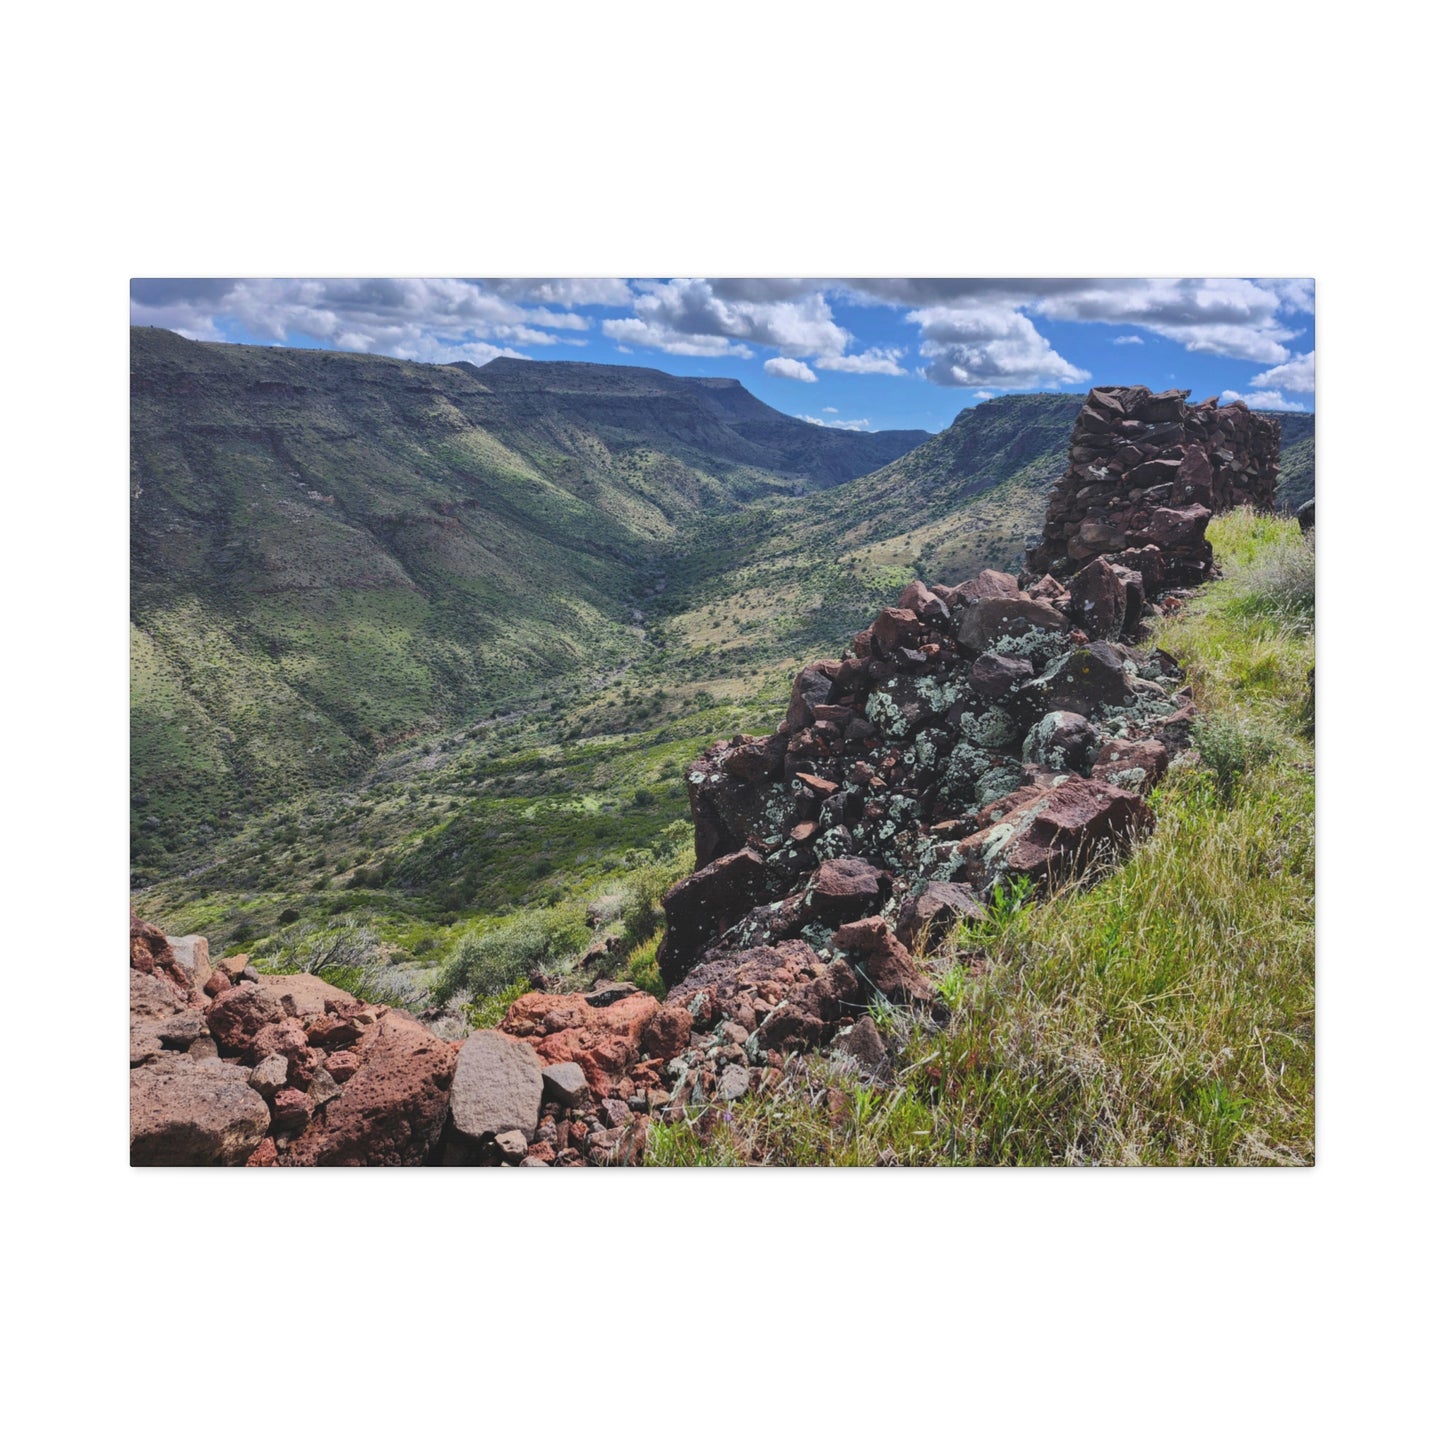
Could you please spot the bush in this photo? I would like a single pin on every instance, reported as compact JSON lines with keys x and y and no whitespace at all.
{"x":488,"y":961}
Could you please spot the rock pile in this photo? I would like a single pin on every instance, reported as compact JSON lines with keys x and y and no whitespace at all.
{"x":1147,"y":470}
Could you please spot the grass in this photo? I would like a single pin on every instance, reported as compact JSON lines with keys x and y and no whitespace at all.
{"x":1163,"y":1014}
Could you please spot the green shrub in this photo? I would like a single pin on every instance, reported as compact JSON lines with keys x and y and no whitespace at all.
{"x":488,"y":961}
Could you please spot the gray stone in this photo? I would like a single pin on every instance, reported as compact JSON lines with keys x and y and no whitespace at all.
{"x":734,"y":1082}
{"x":513,"y":1146}
{"x":565,"y":1084}
{"x":497,"y":1087}
{"x":323,"y":1089}
{"x":269,"y":1076}
{"x":194,"y":1111}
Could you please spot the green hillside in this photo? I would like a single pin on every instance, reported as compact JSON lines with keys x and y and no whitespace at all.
{"x":332,"y":553}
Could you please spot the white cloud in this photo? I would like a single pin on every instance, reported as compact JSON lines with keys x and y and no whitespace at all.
{"x":832,"y":409}
{"x":877,"y":360}
{"x":1263,"y":401}
{"x":862,"y":424}
{"x":692,"y":312}
{"x":1128,"y":341}
{"x":1297,"y":374}
{"x":634,"y":333}
{"x":988,"y":345}
{"x":415,"y":319}
{"x":786,"y":366}
{"x":984,"y":395}
{"x":568,"y":291}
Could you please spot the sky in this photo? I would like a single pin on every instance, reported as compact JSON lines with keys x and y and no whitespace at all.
{"x":864,"y":355}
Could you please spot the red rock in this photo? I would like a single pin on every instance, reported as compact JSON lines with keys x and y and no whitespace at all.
{"x":391,"y":1111}
{"x":802,"y":832}
{"x":934,"y":912}
{"x":1133,"y":766}
{"x":151,"y":953}
{"x":264,"y":1155}
{"x":605,"y":1042}
{"x":821,"y":787}
{"x":1098,"y":599}
{"x":917,"y":599}
{"x":980,"y":624}
{"x":988,"y":583}
{"x":288,"y":1039}
{"x":887,"y":963}
{"x":290,"y":1111}
{"x":844,"y":888}
{"x":667,"y":1032}
{"x":194,"y":1112}
{"x":811,"y":687}
{"x":342,"y":1065}
{"x":239,"y":1014}
{"x":895,"y":627}
{"x":1045,"y":837}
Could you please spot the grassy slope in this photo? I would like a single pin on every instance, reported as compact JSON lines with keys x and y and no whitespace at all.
{"x":1165,"y":1015}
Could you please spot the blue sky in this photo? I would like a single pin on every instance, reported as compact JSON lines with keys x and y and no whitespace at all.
{"x":861,"y":354}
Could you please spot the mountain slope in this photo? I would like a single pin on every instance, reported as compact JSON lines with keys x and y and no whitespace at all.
{"x":332,"y":551}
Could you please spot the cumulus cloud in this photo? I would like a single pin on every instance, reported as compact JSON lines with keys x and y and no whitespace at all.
{"x":877,"y":360}
{"x":415,"y":319}
{"x":568,"y":291}
{"x":786,"y":366}
{"x":1297,"y":374}
{"x":862,"y":424}
{"x":988,"y":345}
{"x":694,"y":313}
{"x":1234,"y":318}
{"x":1263,"y":400}
{"x":1128,"y":341}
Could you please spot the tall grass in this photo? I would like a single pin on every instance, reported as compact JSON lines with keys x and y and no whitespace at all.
{"x":1164,"y":1015}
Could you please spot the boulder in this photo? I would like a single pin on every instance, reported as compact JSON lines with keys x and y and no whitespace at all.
{"x":497,"y":1087}
{"x":885,"y":962}
{"x":935,"y":910}
{"x":564,"y":1084}
{"x":844,"y":888}
{"x":193,"y":954}
{"x":151,"y":953}
{"x":995,"y":676}
{"x":667,"y":1033}
{"x":302,"y":995}
{"x":392,"y":1109}
{"x":194,"y":1111}
{"x":864,"y":1044}
{"x":236,"y":1016}
{"x":1047,"y":834}
{"x":1098,"y":599}
{"x":1062,"y":742}
{"x":980,"y":624}
{"x":1088,"y":678}
{"x":1133,"y":766}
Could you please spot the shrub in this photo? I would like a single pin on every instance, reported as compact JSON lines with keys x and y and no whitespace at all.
{"x":487,"y":961}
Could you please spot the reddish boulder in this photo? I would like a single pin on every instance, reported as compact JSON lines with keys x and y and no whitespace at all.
{"x":667,"y":1033}
{"x":844,"y":888}
{"x":391,"y":1111}
{"x":811,"y":687}
{"x":1098,"y":599}
{"x":194,"y":1111}
{"x":980,"y":624}
{"x":1134,"y":766}
{"x":342,"y":1065}
{"x":936,"y":909}
{"x":150,"y":952}
{"x":236,"y":1016}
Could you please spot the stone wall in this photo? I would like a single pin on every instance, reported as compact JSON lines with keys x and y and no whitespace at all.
{"x":1145,"y":470}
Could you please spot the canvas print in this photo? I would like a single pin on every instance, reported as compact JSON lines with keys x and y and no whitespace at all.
{"x":722,"y":722}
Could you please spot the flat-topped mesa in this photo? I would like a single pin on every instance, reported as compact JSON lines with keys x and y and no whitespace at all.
{"x":1146,"y":472}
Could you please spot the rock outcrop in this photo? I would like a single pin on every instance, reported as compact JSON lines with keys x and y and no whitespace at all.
{"x":1147,"y":471}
